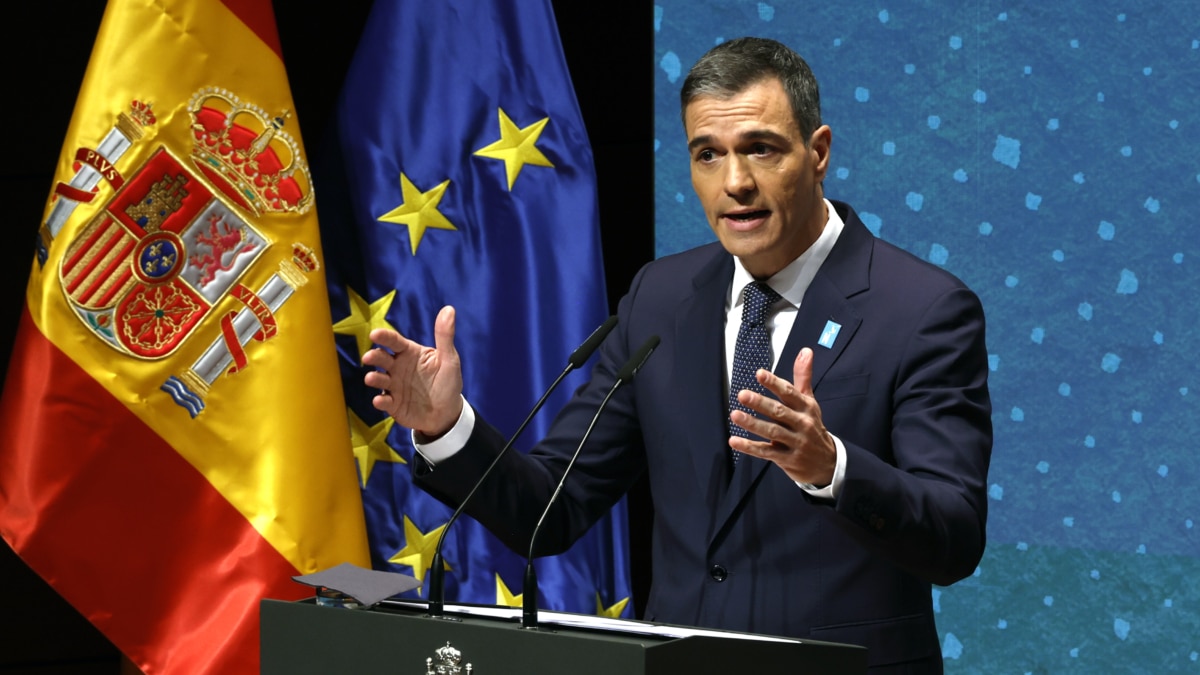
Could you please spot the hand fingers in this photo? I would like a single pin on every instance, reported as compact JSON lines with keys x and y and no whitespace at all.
{"x":388,"y":339}
{"x":377,"y":379}
{"x":391,"y":343}
{"x":782,"y":421}
{"x":383,"y":402}
{"x":815,"y":466}
{"x":377,"y":358}
{"x":802,"y":371}
{"x":779,"y":411}
{"x":787,"y":392}
{"x":771,"y":430}
{"x":767,"y":451}
{"x":443,"y":333}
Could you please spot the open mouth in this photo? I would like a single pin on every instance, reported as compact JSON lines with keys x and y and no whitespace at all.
{"x":747,"y":216}
{"x":745,"y":219}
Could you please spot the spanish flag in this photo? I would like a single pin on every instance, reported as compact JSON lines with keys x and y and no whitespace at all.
{"x":174,"y":444}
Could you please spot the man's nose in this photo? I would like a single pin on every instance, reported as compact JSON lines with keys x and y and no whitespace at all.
{"x":738,"y":178}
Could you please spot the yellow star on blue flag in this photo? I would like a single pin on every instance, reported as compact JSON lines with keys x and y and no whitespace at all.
{"x":505,"y":597}
{"x":418,"y":550}
{"x":364,"y":318}
{"x":613,"y":612}
{"x":419,"y":211}
{"x":369,"y":443}
{"x":516,"y":147}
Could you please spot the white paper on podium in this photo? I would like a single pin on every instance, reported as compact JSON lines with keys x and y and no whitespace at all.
{"x":594,"y":622}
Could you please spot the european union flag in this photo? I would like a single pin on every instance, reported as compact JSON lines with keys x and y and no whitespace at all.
{"x":466,"y":179}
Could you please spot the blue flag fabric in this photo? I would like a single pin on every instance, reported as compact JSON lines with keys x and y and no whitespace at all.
{"x":461,"y":174}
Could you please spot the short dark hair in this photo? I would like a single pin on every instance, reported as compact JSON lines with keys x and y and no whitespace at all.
{"x":729,"y":68}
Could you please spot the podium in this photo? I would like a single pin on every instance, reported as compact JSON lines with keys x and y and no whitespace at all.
{"x":397,"y":638}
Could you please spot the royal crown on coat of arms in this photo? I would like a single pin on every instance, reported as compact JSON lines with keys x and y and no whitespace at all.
{"x":176,"y":238}
{"x":241,"y":145}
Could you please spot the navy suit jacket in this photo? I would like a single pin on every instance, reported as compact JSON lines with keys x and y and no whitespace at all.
{"x":903,"y":385}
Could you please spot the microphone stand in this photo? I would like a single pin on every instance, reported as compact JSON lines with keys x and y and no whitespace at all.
{"x":529,"y":604}
{"x":437,"y":593}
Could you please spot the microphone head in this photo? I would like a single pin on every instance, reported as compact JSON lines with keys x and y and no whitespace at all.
{"x":585,"y":350}
{"x":639,"y":357}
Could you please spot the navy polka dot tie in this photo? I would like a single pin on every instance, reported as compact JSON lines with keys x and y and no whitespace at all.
{"x":753,"y":350}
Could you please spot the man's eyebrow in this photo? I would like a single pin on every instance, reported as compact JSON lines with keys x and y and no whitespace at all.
{"x":765,"y":135}
{"x":698,"y":141}
{"x":752,"y":135}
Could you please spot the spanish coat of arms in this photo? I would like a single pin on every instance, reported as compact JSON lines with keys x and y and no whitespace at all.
{"x":177,"y":236}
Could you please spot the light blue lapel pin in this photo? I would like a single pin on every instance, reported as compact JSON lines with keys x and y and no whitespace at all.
{"x":832,"y":328}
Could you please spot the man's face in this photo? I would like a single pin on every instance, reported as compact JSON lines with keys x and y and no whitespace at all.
{"x":759,"y":184}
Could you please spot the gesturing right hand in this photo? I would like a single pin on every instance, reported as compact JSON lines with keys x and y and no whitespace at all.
{"x":421,"y":387}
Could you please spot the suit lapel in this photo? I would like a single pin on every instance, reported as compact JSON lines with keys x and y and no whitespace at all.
{"x":699,"y":332}
{"x":824,"y":311}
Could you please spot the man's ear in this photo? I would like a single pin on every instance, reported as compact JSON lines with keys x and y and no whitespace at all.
{"x":818,"y":144}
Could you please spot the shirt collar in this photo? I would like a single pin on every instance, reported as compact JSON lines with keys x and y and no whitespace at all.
{"x":792,"y":281}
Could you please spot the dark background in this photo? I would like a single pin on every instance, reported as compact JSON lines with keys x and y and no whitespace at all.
{"x":609,"y":49}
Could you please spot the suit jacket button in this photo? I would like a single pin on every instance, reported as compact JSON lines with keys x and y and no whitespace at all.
{"x":718,"y":572}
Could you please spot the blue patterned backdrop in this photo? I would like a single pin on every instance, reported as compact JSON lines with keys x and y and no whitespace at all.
{"x":1049,"y":155}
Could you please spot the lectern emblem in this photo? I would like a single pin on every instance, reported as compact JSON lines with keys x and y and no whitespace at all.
{"x":447,"y":661}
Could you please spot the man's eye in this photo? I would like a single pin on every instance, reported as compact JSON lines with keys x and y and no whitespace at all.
{"x":760,"y":149}
{"x":705,"y":155}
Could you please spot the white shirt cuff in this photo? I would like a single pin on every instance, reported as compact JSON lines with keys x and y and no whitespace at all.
{"x":834,"y":489}
{"x":452,"y":441}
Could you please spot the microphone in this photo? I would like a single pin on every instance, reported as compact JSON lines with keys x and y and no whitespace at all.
{"x":437,"y":593}
{"x":529,"y":608}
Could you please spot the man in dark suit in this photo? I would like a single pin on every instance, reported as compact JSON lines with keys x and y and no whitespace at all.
{"x":820,"y":500}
